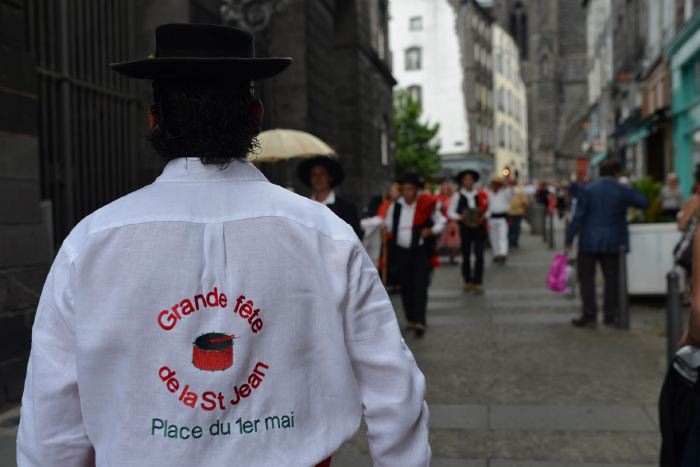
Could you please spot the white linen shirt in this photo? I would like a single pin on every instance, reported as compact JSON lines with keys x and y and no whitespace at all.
{"x":499,"y":201}
{"x":116,"y":376}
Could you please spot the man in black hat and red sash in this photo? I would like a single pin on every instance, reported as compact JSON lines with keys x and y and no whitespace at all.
{"x":414,"y":221}
{"x":468,"y":207}
{"x":213,"y":318}
{"x":323,"y":174}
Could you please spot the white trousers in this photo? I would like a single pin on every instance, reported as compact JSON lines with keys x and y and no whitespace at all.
{"x":498,"y":233}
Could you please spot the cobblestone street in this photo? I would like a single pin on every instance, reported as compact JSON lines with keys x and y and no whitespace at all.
{"x":512,"y":384}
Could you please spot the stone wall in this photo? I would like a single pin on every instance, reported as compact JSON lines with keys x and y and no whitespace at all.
{"x":337,"y":88}
{"x":24,"y":232}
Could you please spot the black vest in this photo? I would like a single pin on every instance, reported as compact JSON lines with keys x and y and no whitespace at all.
{"x":463,"y":206}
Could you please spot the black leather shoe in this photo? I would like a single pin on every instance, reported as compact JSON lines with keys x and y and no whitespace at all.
{"x":419,"y":331}
{"x":610,"y":322}
{"x":584,"y":323}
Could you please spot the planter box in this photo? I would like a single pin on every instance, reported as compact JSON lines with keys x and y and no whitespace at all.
{"x":650,"y":257}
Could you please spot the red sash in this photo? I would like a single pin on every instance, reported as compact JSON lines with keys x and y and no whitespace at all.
{"x":425,"y":206}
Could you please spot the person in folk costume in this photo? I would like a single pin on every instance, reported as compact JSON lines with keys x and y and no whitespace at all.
{"x":518,"y":210}
{"x":373,"y":230}
{"x":376,"y":214}
{"x":125,"y":367}
{"x":323,"y":174}
{"x":414,"y":221}
{"x":449,"y":242}
{"x":468,"y":207}
{"x":497,"y":214}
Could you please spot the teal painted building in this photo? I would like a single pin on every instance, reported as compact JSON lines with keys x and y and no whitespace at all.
{"x":683,"y":52}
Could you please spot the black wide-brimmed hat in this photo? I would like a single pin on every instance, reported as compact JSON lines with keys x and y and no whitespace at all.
{"x":203,"y":51}
{"x":476,"y":175}
{"x":330,"y":163}
{"x":411,"y":178}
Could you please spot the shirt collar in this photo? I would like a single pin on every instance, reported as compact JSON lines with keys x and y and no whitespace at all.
{"x":330,"y":199}
{"x":404,"y":203}
{"x":191,"y":169}
{"x":467,"y":193}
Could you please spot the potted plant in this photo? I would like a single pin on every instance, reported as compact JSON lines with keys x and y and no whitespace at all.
{"x":652,"y":239}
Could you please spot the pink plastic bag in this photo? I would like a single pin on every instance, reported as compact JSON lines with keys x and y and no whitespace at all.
{"x":559,"y":274}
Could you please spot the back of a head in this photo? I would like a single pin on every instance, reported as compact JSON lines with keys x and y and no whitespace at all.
{"x":213,"y":121}
{"x":609,"y":168}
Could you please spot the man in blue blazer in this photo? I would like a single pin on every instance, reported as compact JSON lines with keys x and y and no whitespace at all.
{"x":600,"y":220}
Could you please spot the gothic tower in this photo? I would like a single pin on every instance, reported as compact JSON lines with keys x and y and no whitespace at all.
{"x":551,"y":36}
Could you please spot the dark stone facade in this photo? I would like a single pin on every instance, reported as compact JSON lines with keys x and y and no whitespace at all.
{"x":24,"y":231}
{"x":338,"y":88}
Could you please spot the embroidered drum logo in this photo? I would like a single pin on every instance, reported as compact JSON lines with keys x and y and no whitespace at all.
{"x":212,"y":351}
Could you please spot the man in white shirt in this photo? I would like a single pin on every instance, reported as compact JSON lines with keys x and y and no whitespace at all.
{"x":414,"y":221}
{"x":468,"y":206}
{"x":212,"y":318}
{"x":499,"y":205}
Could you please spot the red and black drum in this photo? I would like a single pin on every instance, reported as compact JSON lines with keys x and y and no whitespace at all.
{"x":213,"y":351}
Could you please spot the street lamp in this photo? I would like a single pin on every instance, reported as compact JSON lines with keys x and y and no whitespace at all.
{"x":251,"y":15}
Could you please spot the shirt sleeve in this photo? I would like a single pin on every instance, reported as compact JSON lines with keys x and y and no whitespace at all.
{"x":452,"y":209}
{"x":389,"y":218}
{"x":636,"y":199}
{"x":580,"y":213}
{"x":51,"y":430}
{"x":439,"y":222}
{"x":391,"y":385}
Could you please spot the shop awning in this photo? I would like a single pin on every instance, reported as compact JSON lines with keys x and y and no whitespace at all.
{"x":637,"y":135}
{"x":642,"y":131}
{"x":598,"y":158}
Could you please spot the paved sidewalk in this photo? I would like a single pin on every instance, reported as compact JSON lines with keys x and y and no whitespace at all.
{"x":512,"y":384}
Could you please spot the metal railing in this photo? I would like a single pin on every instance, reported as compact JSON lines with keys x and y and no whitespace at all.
{"x":87,"y":132}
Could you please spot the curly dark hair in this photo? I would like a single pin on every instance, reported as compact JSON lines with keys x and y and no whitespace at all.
{"x":209,"y":120}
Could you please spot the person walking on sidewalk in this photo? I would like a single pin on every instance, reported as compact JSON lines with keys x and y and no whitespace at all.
{"x":323,"y":174}
{"x":499,"y":205}
{"x":518,"y":210}
{"x":132,"y":360}
{"x":600,"y":221}
{"x":468,"y":207}
{"x":414,"y":221}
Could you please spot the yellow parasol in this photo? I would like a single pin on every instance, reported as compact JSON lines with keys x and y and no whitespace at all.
{"x":279,"y":145}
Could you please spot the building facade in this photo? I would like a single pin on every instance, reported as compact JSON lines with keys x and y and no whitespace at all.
{"x":25,"y":222}
{"x":684,"y":55}
{"x":426,"y":53}
{"x":551,"y":37}
{"x":510,"y":110}
{"x":338,"y":88}
{"x":632,"y":116}
{"x":71,"y":132}
{"x":474,"y":24}
{"x":600,"y":73}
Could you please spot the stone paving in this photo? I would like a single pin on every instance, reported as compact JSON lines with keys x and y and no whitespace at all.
{"x":512,"y":384}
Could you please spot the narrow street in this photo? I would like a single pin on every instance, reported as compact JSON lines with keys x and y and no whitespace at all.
{"x":512,"y":384}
